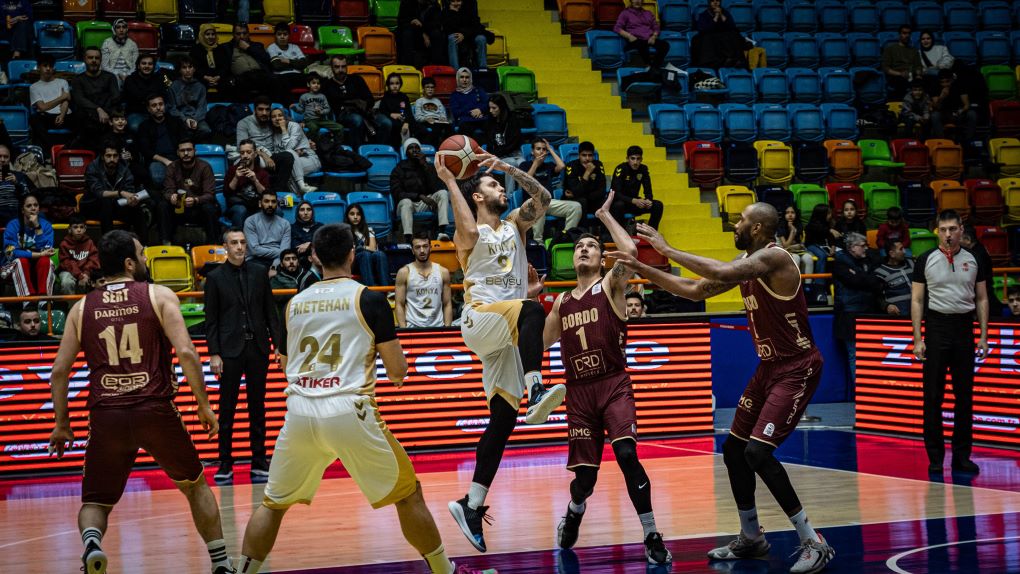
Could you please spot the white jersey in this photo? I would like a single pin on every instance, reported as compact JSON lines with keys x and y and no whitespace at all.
{"x":497,"y":268}
{"x":424,"y":305}
{"x":330,"y":348}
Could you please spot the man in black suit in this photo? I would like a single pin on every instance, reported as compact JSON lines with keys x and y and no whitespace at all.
{"x":241,"y":320}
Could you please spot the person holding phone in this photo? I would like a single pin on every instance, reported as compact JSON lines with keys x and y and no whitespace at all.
{"x":246,"y":181}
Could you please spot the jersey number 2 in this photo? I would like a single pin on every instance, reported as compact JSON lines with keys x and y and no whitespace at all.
{"x":328,"y":354}
{"x":128,"y":347}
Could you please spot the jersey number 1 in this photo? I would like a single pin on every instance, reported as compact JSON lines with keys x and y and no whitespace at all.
{"x":128,"y":347}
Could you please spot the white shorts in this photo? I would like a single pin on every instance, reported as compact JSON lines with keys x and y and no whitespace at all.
{"x":490,"y":331}
{"x":355,"y":434}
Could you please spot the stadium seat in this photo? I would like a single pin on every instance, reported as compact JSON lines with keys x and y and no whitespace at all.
{"x":176,"y":39}
{"x":769,"y":15}
{"x":158,"y":11}
{"x":962,"y":45}
{"x":918,"y":203}
{"x":732,"y":201}
{"x":801,"y":50}
{"x":994,"y":48}
{"x":71,"y":165}
{"x":863,"y":16}
{"x":994,"y":15}
{"x":811,"y":162}
{"x":739,"y":121}
{"x":216,"y":157}
{"x":773,"y":123}
{"x":946,"y":158}
{"x":806,"y":122}
{"x":202,"y":255}
{"x":69,"y":67}
{"x":93,"y":32}
{"x":669,"y":123}
{"x":59,"y":321}
{"x":304,"y":37}
{"x":1005,"y":118}
{"x":892,"y":14}
{"x":805,"y":85}
{"x":384,"y":12}
{"x":741,"y":163}
{"x":146,"y":36}
{"x":328,"y":209}
{"x":1006,"y":156}
{"x":775,"y":195}
{"x":949,"y":194}
{"x":262,"y":33}
{"x":743,"y":14}
{"x":352,"y":13}
{"x":876,"y":153}
{"x":314,"y":13}
{"x":837,"y":86}
{"x":801,"y":17}
{"x":922,"y":240}
{"x":869,"y":86}
{"x":832,"y":16}
{"x":841,"y":192}
{"x":518,"y":80}
{"x":704,"y":163}
{"x":986,"y":199}
{"x":865,"y":50}
{"x":996,"y":242}
{"x":840,"y":121}
{"x":879,"y":196}
{"x":774,"y":46}
{"x":806,"y":196}
{"x":17,"y":68}
{"x":446,"y":80}
{"x":926,"y":15}
{"x":576,"y":16}
{"x":1010,"y":187}
{"x":915,"y":159}
{"x":384,"y":158}
{"x":498,"y":53}
{"x":675,"y":15}
{"x":740,"y":83}
{"x":113,"y":9}
{"x":410,"y":76}
{"x":550,"y":122}
{"x":833,"y":50}
{"x":55,"y":37}
{"x":379,"y":44}
{"x":636,"y":89}
{"x":679,"y":48}
{"x":373,"y":78}
{"x":15,"y":119}
{"x":606,"y":13}
{"x":445,"y":254}
{"x":605,"y":49}
{"x":704,"y":122}
{"x":277,"y":11}
{"x":771,"y":85}
{"x":170,"y":266}
{"x":844,"y":159}
{"x":378,"y":213}
{"x":338,"y":41}
{"x":776,"y":161}
{"x":561,"y":262}
{"x":1001,"y":81}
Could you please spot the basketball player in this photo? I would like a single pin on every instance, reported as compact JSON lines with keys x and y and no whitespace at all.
{"x":335,"y":328}
{"x":782,"y":386}
{"x":591,"y":324}
{"x":126,"y":329}
{"x":421,"y":287}
{"x":496,"y":310}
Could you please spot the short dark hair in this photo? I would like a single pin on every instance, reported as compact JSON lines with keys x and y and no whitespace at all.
{"x":109,"y":143}
{"x":46,"y":60}
{"x":635,"y":295}
{"x":263,"y":99}
{"x":422,"y":235}
{"x":635,"y":150}
{"x":28,"y":308}
{"x":312,"y":76}
{"x":949,"y":214}
{"x":288,"y":251}
{"x":114,"y":247}
{"x":337,"y":57}
{"x":268,"y":191}
{"x":946,"y":75}
{"x":118,"y":111}
{"x":905,"y":27}
{"x":75,"y":219}
{"x":585,"y":146}
{"x":537,"y":139}
{"x":153,"y":96}
{"x":230,"y":230}
{"x":246,"y":141}
{"x":971,"y":232}
{"x":893,"y":212}
{"x":184,"y":61}
{"x":281,"y":27}
{"x":428,"y":82}
{"x":185,"y":140}
{"x":1013,"y":291}
{"x":90,"y":49}
{"x":890,"y":244}
{"x":602,"y":248}
{"x":333,"y":244}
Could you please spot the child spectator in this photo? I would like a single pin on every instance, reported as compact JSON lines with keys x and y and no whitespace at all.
{"x":819,"y":236}
{"x":79,"y":258}
{"x":314,"y":105}
{"x":432,"y":125}
{"x":915,"y":111}
{"x":894,"y":229}
{"x":849,"y":222}
{"x":790,"y":235}
{"x":395,"y":105}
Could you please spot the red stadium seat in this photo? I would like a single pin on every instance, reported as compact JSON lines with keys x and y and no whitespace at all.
{"x":146,"y":36}
{"x":986,"y":199}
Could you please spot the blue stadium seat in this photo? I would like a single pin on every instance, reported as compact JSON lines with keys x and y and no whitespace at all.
{"x":679,"y":48}
{"x":773,"y":122}
{"x":69,"y":67}
{"x":329,"y":210}
{"x":669,"y":123}
{"x":605,"y":49}
{"x":994,"y":15}
{"x":801,"y":17}
{"x":926,"y":15}
{"x":840,"y":121}
{"x":740,"y":83}
{"x":216,"y":157}
{"x":892,"y":14}
{"x":801,"y":50}
{"x":15,"y":68}
{"x":805,"y":85}
{"x":960,"y":16}
{"x":887,"y":37}
{"x":378,"y":213}
{"x":774,"y":46}
{"x":962,"y":45}
{"x":15,"y":119}
{"x":770,"y":15}
{"x":739,"y":122}
{"x":384,"y":158}
{"x":863,"y":16}
{"x":550,"y":122}
{"x":833,"y":50}
{"x":837,"y":85}
{"x":1014,"y":41}
{"x":675,"y":15}
{"x":742,"y":13}
{"x":806,"y":122}
{"x":864,"y":49}
{"x":55,"y":37}
{"x":869,"y":85}
{"x":635,"y":89}
{"x":704,"y":122}
{"x":993,"y":48}
{"x":771,"y":85}
{"x":832,"y":16}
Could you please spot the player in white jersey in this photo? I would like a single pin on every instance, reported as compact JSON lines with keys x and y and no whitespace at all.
{"x":496,"y":310}
{"x":423,"y":289}
{"x":334,"y":330}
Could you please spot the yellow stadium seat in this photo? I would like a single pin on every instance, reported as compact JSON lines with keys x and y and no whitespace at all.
{"x":1006,"y":155}
{"x":732,"y":201}
{"x":224,"y":32}
{"x":776,"y":161}
{"x":159,"y":11}
{"x":276,"y":11}
{"x":1011,"y":195}
{"x":498,"y":53}
{"x":170,"y":266}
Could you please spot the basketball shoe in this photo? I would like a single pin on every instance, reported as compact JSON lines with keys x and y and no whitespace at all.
{"x":655,"y":549}
{"x":470,"y":521}
{"x":566,"y":532}
{"x":543,"y":401}
{"x":93,"y":560}
{"x":813,"y":556}
{"x":224,"y":474}
{"x":224,"y":570}
{"x":742,"y":547}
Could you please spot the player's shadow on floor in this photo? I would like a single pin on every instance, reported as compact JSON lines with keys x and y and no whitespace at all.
{"x":567,"y":562}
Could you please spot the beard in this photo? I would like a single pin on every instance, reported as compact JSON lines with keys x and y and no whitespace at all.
{"x":742,"y":240}
{"x":141,"y":273}
{"x":269,"y":211}
{"x":496,"y":204}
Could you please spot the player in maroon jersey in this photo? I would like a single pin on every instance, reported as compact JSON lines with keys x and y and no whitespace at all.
{"x":126,"y":329}
{"x":591,"y":324}
{"x":778,"y":393}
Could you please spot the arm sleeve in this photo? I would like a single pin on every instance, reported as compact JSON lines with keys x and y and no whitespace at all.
{"x":378,"y":316}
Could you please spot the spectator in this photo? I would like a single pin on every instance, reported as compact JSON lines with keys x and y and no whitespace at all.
{"x":352,"y":102}
{"x":952,"y":106}
{"x":144,"y":82}
{"x":790,"y":235}
{"x":718,"y":43}
{"x":118,"y":137}
{"x":371,"y":263}
{"x":416,"y":188}
{"x":641,"y":31}
{"x":820,"y":238}
{"x":314,"y":105}
{"x":629,"y":179}
{"x":1012,"y":308}
{"x":189,"y":195}
{"x":969,"y":240}
{"x":855,"y":293}
{"x":258,"y":128}
{"x":249,"y":66}
{"x":14,"y":185}
{"x":287,"y":60}
{"x":894,"y":229}
{"x":469,"y":106}
{"x":157,"y":139}
{"x":29,"y":326}
{"x":94,"y":93}
{"x":420,"y":40}
{"x":289,"y":275}
{"x":586,"y":179}
{"x":849,"y":222}
{"x":422,"y":293}
{"x":267,"y":234}
{"x":314,"y":274}
{"x":19,"y":29}
{"x":901,"y":62}
{"x":50,"y":99}
{"x":110,"y":193}
{"x":79,"y":259}
{"x":463,"y":30}
{"x":302,"y":231}
{"x":395,"y":105}
{"x":431,"y":123}
{"x":186,"y":100}
{"x":895,"y":274}
{"x":915,"y":111}
{"x":545,"y":172}
{"x":288,"y":137}
{"x":502,"y":132}
{"x":246,"y":181}
{"x":210,"y":59}
{"x":636,"y":307}
{"x":120,"y":53}
{"x":934,"y":58}
{"x":28,"y":243}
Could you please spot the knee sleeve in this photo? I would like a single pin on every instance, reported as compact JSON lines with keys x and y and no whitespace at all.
{"x":733,"y":452}
{"x":626,"y":456}
{"x":759,"y":455}
{"x":583,"y":484}
{"x":761,"y":459}
{"x":530,"y":321}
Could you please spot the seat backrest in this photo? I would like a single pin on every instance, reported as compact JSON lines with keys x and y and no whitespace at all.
{"x":335,"y":37}
{"x":379,"y":44}
{"x":410,"y":76}
{"x":146,"y":36}
{"x":202,"y":254}
{"x":372,"y":76}
{"x":15,"y":69}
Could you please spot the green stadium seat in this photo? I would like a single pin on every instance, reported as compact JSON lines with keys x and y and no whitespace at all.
{"x":922,"y":240}
{"x":93,"y":32}
{"x":561,"y":268}
{"x":194,"y":313}
{"x":879,"y":197}
{"x":518,"y":80}
{"x":807,"y":196}
{"x":338,"y":41}
{"x":876,"y":153}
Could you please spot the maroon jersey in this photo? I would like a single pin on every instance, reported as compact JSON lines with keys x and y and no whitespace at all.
{"x":778,"y":324}
{"x":594,"y":336}
{"x":125,"y":347}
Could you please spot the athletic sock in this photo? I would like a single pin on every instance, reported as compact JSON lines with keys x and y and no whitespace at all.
{"x":248,"y":565}
{"x":531,"y":378}
{"x":749,"y":523}
{"x":438,"y":562}
{"x":648,"y":523}
{"x":804,"y":529}
{"x":476,"y":495}
{"x":577,"y":508}
{"x":91,"y":534}
{"x":218,"y":553}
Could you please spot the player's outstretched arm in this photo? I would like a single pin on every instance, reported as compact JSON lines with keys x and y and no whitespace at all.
{"x":400,"y":298}
{"x":620,"y":274}
{"x":187,"y":356}
{"x":758,"y":264}
{"x":538,"y":200}
{"x":62,"y":436}
{"x":553,"y":326}
{"x":466,"y":234}
{"x":693,"y":289}
{"x":447,"y":298}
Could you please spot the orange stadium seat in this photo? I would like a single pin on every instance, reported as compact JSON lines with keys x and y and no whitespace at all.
{"x":372,"y":76}
{"x":379,"y":44}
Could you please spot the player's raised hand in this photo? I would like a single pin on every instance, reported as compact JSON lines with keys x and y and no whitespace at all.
{"x":604,"y":210}
{"x":61,"y":438}
{"x":208,"y":420}
{"x":535,"y":283}
{"x":490,"y":162}
{"x":442,"y":171}
{"x":623,"y":258}
{"x":653,"y":237}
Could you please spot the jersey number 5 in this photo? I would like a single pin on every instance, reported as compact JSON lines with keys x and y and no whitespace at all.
{"x":328,"y":354}
{"x":128,"y":347}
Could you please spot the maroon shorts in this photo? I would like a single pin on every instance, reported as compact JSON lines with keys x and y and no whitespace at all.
{"x":776,"y":398}
{"x":116,"y":434}
{"x":597,"y":408}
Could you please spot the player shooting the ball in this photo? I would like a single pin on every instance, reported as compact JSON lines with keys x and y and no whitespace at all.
{"x":500,"y":323}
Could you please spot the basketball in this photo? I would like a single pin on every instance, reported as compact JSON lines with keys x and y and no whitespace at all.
{"x":457,"y":153}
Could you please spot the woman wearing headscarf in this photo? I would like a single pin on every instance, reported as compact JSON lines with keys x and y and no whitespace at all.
{"x":210,"y":59}
{"x":18,"y":27}
{"x":119,"y":52}
{"x":934,"y":57}
{"x":469,"y":106}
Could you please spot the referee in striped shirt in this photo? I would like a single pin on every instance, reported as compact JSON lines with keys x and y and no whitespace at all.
{"x":948,"y":288}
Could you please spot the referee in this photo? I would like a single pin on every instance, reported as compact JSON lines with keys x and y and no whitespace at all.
{"x":948,"y":287}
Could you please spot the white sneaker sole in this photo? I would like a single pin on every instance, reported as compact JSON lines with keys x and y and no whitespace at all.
{"x":458,"y":516}
{"x":538,"y":414}
{"x":96,"y":563}
{"x":817,"y":568}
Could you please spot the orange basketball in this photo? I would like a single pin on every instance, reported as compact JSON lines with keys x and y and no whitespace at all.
{"x":457,"y":153}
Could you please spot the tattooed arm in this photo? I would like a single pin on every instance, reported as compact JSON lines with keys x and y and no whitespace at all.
{"x":693,"y":289}
{"x":539,"y":197}
{"x":616,"y":279}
